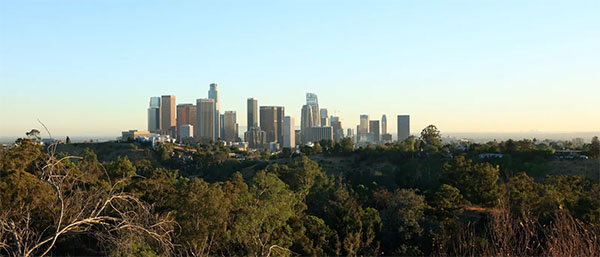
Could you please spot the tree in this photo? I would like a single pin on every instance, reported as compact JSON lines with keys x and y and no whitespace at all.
{"x":477,"y":183}
{"x":33,"y":134}
{"x":431,"y":136}
{"x":68,"y":140}
{"x":70,"y":206}
{"x":403,"y":215}
{"x":595,"y":147}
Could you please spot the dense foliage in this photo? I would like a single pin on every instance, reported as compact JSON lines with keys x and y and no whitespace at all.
{"x":416,"y":197}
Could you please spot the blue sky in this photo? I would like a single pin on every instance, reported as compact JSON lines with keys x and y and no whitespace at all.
{"x":89,"y":67}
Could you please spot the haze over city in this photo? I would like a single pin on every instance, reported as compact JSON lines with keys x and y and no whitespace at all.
{"x":88,"y":68}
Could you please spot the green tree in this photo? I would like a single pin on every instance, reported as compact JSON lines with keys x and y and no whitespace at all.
{"x":431,"y":136}
{"x":524,"y":194}
{"x":477,"y":183}
{"x":259,"y":224}
{"x":402,"y":216}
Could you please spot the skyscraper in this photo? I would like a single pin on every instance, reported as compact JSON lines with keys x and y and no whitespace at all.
{"x":324,"y":114}
{"x":313,"y":101}
{"x":167,"y":115}
{"x":205,"y":131}
{"x":213,"y":93}
{"x":364,"y":124}
{"x":230,"y":126}
{"x":252,"y":113}
{"x":289,"y":135}
{"x":186,"y":115}
{"x":154,"y":115}
{"x":306,"y":121}
{"x":374,"y":129}
{"x":403,"y":127}
{"x":271,"y":121}
{"x":383,"y":125}
{"x":338,"y":131}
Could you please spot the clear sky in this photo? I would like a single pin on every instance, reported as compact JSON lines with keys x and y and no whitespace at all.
{"x":88,"y":68}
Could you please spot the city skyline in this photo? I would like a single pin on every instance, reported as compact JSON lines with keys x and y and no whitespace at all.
{"x":479,"y":67}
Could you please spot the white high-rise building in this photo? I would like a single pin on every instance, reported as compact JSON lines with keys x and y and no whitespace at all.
{"x":403,"y":127}
{"x":289,"y":133}
{"x":213,"y":93}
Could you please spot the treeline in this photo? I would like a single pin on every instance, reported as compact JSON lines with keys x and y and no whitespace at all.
{"x":422,"y":201}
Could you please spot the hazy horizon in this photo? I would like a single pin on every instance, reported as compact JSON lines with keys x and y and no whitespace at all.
{"x":88,"y":69}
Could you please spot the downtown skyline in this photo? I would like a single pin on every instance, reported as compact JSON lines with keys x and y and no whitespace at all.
{"x":464,"y":66}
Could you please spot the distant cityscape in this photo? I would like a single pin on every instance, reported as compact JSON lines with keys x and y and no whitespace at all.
{"x":267,"y":126}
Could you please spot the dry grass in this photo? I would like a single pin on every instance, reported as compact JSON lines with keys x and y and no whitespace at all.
{"x":506,"y":234}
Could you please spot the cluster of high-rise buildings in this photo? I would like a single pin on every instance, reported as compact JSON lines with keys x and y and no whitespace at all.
{"x":268,"y":126}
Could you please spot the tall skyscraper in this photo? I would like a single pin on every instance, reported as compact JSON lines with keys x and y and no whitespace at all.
{"x":252,"y":113}
{"x":271,"y":121}
{"x":313,"y":101}
{"x":205,"y":131}
{"x":364,"y":124}
{"x":336,"y":124}
{"x":374,"y":129}
{"x":222,"y":126}
{"x":230,"y":126}
{"x":167,"y":115}
{"x":324,"y":114}
{"x":383,"y":125}
{"x":213,"y":93}
{"x":289,"y":135}
{"x":186,"y":115}
{"x":403,"y":127}
{"x":154,"y":115}
{"x":306,"y":121}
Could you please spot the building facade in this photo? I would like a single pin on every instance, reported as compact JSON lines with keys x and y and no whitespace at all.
{"x":313,"y":101}
{"x":338,"y":131}
{"x":168,"y":125}
{"x":306,"y":121}
{"x":186,"y":132}
{"x":230,"y":126}
{"x":186,"y":115}
{"x":289,"y":132}
{"x":403,"y":127}
{"x":154,"y":115}
{"x":256,"y":138}
{"x":374,"y":130}
{"x":316,"y":134}
{"x":271,"y":121}
{"x":363,"y":127}
{"x":324,"y":114}
{"x":205,"y":118}
{"x":383,"y":124}
{"x":252,"y":108}
{"x":213,"y":93}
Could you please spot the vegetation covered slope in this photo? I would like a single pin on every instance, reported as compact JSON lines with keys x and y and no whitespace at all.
{"x":411,"y":198}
